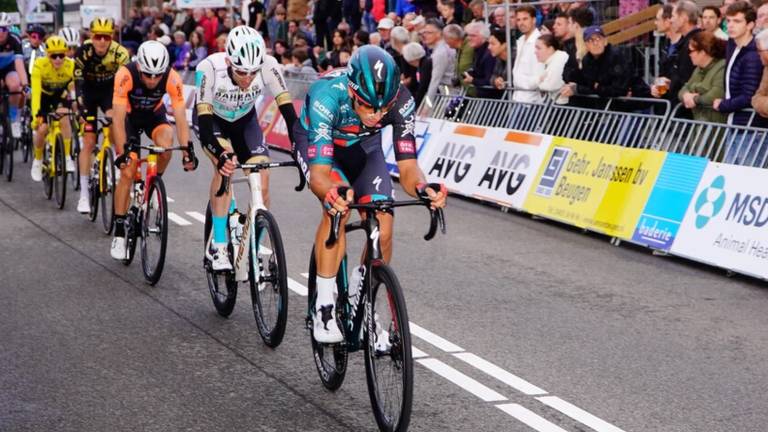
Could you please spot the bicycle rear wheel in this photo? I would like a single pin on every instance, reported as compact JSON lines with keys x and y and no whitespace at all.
{"x":59,"y":172}
{"x":9,"y":145}
{"x":388,"y":361}
{"x":268,"y":278}
{"x":107,"y":191}
{"x":132,"y":233}
{"x":47,"y":175}
{"x":93,"y":190}
{"x":154,"y":232}
{"x":75,"y":154}
{"x":222,"y":285}
{"x":330,"y":360}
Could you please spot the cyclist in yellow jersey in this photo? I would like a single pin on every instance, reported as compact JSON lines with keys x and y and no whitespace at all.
{"x":96,"y":64}
{"x":52,"y":78}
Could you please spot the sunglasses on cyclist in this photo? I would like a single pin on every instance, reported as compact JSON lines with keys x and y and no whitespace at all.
{"x":102,"y":37}
{"x":151,"y":76}
{"x":4,"y":29}
{"x":368,"y":107}
{"x":56,"y":56}
{"x":243,"y":74}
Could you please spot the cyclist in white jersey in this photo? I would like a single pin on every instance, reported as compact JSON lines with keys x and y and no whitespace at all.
{"x":228,"y":86}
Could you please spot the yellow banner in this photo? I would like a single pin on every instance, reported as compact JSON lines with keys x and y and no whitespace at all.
{"x":596,"y":186}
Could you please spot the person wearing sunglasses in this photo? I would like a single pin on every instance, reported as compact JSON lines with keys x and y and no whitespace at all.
{"x":229,"y":83}
{"x":33,"y":46}
{"x":137,"y":105}
{"x":12,"y":70}
{"x":52,"y":79}
{"x":339,"y":137}
{"x":96,"y":64}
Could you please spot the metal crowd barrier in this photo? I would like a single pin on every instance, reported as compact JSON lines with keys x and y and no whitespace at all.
{"x":298,"y":86}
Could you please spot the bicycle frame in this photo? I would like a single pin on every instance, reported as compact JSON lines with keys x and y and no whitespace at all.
{"x":54,"y":128}
{"x":105,"y":144}
{"x":241,"y":249}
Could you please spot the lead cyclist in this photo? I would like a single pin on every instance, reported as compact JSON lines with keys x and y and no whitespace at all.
{"x":228,"y":85}
{"x":339,"y":137}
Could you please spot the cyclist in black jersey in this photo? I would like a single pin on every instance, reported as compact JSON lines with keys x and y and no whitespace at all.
{"x":12,"y":70}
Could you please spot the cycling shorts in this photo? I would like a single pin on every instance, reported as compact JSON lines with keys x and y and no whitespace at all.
{"x":244,"y":135}
{"x":150,"y":123}
{"x":97,"y":96}
{"x":361,"y":166}
{"x":49,"y":104}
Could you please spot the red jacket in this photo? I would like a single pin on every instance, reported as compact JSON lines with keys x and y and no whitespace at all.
{"x":210,"y":25}
{"x":379,"y":9}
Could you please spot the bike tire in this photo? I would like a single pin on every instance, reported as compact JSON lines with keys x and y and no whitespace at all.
{"x":331,"y":374}
{"x":47,"y":178}
{"x":270,"y":304}
{"x":9,"y":162}
{"x":26,"y":135}
{"x":394,"y":353}
{"x":154,"y":223}
{"x":59,"y":172}
{"x":75,"y":155}
{"x":132,"y":229}
{"x":107,"y":191}
{"x":93,"y":190}
{"x":3,"y":140}
{"x":224,"y":302}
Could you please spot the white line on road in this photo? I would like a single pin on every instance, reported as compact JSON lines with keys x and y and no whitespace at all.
{"x":422,"y":333}
{"x":500,"y":374}
{"x":485,"y":393}
{"x":578,"y":414}
{"x":530,"y":418}
{"x":297,"y":287}
{"x":170,"y":199}
{"x":417,"y":353}
{"x":178,"y":219}
{"x":305,"y":275}
{"x":196,"y":216}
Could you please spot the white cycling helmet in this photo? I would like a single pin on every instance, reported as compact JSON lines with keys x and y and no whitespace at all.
{"x":152,"y":57}
{"x":70,"y":36}
{"x":245,"y":49}
{"x":5,"y":19}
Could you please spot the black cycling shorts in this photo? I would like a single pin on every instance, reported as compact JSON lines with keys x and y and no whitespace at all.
{"x":49,"y":104}
{"x":149,"y":123}
{"x":244,"y":135}
{"x":361,"y":166}
{"x":95,"y":97}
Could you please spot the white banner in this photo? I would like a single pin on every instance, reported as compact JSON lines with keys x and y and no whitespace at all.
{"x":40,"y":18}
{"x":489,"y":164}
{"x":726,"y":224}
{"x":15,"y":17}
{"x":190,"y":4}
{"x":89,"y":12}
{"x":426,"y":131}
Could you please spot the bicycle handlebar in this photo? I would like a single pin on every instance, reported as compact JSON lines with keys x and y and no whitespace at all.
{"x":436,"y":216}
{"x":225,"y":180}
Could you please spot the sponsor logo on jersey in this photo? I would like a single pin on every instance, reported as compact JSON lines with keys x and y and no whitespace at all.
{"x":406,"y":146}
{"x":323,"y":132}
{"x":326,"y":151}
{"x":407,"y":108}
{"x":312,"y":152}
{"x":322,"y":109}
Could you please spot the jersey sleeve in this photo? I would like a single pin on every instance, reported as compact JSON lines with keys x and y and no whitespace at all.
{"x":80,"y":60}
{"x":174,"y":87}
{"x":37,"y":85}
{"x":122,"y":57}
{"x":403,"y":121}
{"x":123,"y":86}
{"x":321,"y":116}
{"x":274,"y":81}
{"x":204,"y":76}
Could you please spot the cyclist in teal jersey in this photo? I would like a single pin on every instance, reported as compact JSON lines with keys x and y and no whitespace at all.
{"x":338,"y":144}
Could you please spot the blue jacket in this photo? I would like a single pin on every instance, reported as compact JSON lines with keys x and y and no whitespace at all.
{"x":744,"y":79}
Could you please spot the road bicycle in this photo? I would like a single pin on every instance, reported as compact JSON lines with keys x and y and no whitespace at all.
{"x":7,"y":141}
{"x":147,"y":216}
{"x":102,"y":181}
{"x":54,"y":167}
{"x":25,"y":143}
{"x":374,"y":319}
{"x":74,"y":152}
{"x":256,"y":250}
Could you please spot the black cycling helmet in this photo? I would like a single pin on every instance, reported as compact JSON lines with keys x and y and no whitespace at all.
{"x":374,"y":77}
{"x":36,"y":29}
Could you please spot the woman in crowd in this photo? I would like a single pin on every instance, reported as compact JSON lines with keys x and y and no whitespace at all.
{"x":198,"y":49}
{"x":339,"y":42}
{"x":708,"y":80}
{"x":548,"y":52}
{"x":497,"y":44}
{"x":414,"y":54}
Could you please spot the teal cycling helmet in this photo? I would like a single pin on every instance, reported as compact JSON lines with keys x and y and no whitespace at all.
{"x":373,"y":77}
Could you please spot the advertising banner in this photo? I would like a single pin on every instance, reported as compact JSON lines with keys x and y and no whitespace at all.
{"x":490,"y":164}
{"x":726,"y":224}
{"x":191,"y":4}
{"x":273,"y":124}
{"x":666,"y":207}
{"x":426,"y":131}
{"x":40,"y":18}
{"x":600,"y":187}
{"x":89,"y":12}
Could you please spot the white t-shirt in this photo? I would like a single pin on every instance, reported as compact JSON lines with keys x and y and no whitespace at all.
{"x":728,"y":79}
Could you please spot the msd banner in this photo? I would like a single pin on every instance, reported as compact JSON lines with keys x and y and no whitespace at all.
{"x":727,"y":222}
{"x":489,"y":164}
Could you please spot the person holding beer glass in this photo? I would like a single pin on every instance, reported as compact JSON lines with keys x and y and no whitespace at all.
{"x":708,"y":80}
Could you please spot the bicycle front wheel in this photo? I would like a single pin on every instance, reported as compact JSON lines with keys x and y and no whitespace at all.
{"x":9,"y":145}
{"x":222,"y":285}
{"x":59,"y":172}
{"x":75,"y":154}
{"x":107,"y":185}
{"x":388,"y":361}
{"x":268,"y":278}
{"x":93,"y":190}
{"x":154,"y":232}
{"x":47,"y":172}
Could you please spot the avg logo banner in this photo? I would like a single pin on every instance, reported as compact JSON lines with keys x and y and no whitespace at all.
{"x":600,"y":187}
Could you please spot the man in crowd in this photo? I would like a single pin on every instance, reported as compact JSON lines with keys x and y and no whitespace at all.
{"x":482,"y":63}
{"x":605,"y":72}
{"x":442,"y":56}
{"x":684,"y":22}
{"x":455,"y":38}
{"x":578,"y":20}
{"x":527,"y":70}
{"x":710,"y":21}
{"x":385,"y":27}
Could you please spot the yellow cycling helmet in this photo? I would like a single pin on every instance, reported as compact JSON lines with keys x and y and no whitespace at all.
{"x":102,"y":25}
{"x":55,"y":45}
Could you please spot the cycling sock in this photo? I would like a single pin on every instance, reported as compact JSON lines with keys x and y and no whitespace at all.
{"x":219,"y":230}
{"x":38,"y":153}
{"x":84,"y":186}
{"x":68,"y":146}
{"x":325,"y":287}
{"x":232,"y":206}
{"x":119,"y":225}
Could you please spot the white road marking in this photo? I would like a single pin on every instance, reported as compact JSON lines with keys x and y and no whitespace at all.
{"x":417,"y":353}
{"x":500,"y":374}
{"x":305,"y":275}
{"x":196,"y":216}
{"x":530,"y":418}
{"x":578,"y":414}
{"x":422,"y":333}
{"x":178,"y":219}
{"x":170,"y":199}
{"x":297,"y":287}
{"x":485,"y":393}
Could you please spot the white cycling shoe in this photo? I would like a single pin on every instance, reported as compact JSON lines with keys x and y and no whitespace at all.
{"x":219,"y":258}
{"x":325,"y":329}
{"x":37,"y":170}
{"x":83,"y":204}
{"x":70,"y":164}
{"x":118,"y":250}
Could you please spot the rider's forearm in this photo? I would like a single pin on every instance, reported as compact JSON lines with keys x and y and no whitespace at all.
{"x":289,"y":115}
{"x":320,"y":180}
{"x":118,"y":131}
{"x":182,"y":128}
{"x":207,"y":138}
{"x":19,"y":63}
{"x":410,"y":176}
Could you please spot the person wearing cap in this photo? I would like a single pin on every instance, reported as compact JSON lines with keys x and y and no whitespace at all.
{"x":385,"y":27}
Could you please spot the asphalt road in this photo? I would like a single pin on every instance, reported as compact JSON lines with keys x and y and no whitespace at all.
{"x":520,"y":325}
